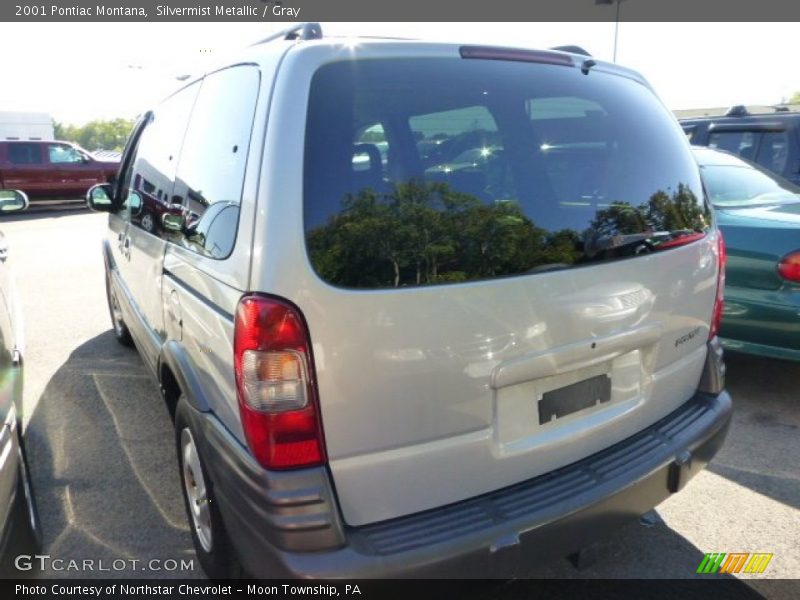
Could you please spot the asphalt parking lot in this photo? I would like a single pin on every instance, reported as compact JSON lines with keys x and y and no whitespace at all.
{"x":103,"y":460}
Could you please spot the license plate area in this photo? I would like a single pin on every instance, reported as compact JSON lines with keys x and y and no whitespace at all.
{"x":573,"y":398}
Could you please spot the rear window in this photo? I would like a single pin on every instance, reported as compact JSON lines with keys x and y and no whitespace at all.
{"x":430,"y":171}
{"x":742,"y":143}
{"x":24,"y":154}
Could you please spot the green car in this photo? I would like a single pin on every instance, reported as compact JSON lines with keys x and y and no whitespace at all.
{"x":759,"y":215}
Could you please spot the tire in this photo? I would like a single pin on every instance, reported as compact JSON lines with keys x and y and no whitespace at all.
{"x":148,"y":222}
{"x":211,"y":541}
{"x":121,"y":333}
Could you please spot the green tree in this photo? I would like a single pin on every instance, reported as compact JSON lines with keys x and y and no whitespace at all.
{"x":425,"y":232}
{"x":96,"y":135}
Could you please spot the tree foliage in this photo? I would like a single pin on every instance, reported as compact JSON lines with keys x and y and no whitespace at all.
{"x":96,"y":135}
{"x":423,"y":233}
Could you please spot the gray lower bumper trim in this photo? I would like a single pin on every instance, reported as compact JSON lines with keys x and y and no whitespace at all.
{"x":502,"y":533}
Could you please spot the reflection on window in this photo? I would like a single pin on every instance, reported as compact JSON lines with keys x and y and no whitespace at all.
{"x":152,"y":169}
{"x":740,"y":186}
{"x":498,"y":169}
{"x":212,"y":165}
{"x":215,"y":232}
{"x":742,"y":143}
{"x":773,"y":151}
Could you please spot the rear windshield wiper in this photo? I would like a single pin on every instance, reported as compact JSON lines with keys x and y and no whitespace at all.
{"x":595,"y":245}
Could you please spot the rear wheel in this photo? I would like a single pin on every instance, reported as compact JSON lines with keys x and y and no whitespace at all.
{"x":211,"y":542}
{"x":121,"y":332}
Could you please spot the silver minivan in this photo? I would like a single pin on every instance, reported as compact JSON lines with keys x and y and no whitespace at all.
{"x":418,"y":309}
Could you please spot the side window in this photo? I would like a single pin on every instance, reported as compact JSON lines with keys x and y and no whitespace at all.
{"x":24,"y":154}
{"x":742,"y":143}
{"x":211,"y":171}
{"x":61,"y":153}
{"x":149,"y":179}
{"x":773,"y":151}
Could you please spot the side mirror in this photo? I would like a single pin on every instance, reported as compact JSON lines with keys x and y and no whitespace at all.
{"x":134,"y":202}
{"x":173,"y":223}
{"x":99,"y":198}
{"x":13,"y":201}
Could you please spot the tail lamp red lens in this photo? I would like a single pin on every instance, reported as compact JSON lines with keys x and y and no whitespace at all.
{"x":789,"y":267}
{"x":719,"y":303}
{"x":276,"y":388}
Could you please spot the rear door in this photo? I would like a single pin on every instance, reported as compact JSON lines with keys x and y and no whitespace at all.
{"x":206,"y":267}
{"x":524,"y":279}
{"x":26,"y":169}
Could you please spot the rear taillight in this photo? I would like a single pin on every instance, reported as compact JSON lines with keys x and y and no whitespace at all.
{"x":275,"y":384}
{"x":719,"y":303}
{"x":789,"y":267}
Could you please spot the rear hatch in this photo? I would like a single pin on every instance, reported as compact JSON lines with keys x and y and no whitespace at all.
{"x":507,"y":264}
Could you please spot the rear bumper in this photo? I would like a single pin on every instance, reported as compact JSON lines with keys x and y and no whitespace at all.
{"x":501,"y":534}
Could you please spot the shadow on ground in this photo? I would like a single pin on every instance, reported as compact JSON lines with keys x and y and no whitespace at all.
{"x":103,"y":462}
{"x":102,"y":456}
{"x":47,"y":211}
{"x":764,"y":441}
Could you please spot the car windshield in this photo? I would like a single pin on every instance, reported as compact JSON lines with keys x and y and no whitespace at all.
{"x":733,"y":186}
{"x":440,"y":170}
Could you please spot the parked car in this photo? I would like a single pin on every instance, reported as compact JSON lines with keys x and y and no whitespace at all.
{"x":759,"y":215}
{"x":155,"y":204}
{"x":771,"y":140}
{"x":51,"y":170}
{"x":374,"y":372}
{"x":20,"y":531}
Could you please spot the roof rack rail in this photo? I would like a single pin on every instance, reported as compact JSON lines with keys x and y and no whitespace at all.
{"x":301,"y":31}
{"x":572,"y":49}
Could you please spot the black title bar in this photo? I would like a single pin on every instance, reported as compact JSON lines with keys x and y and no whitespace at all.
{"x":398,"y":10}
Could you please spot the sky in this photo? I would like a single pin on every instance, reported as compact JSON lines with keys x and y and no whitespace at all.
{"x":77,"y":72}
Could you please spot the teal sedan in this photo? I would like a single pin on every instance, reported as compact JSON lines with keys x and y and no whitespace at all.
{"x":759,"y":215}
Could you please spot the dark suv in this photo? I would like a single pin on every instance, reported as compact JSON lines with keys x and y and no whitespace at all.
{"x":770,"y":139}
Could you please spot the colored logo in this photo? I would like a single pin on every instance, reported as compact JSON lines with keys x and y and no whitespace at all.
{"x":734,"y":562}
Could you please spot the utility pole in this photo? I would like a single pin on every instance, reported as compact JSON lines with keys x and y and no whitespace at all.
{"x":616,"y":20}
